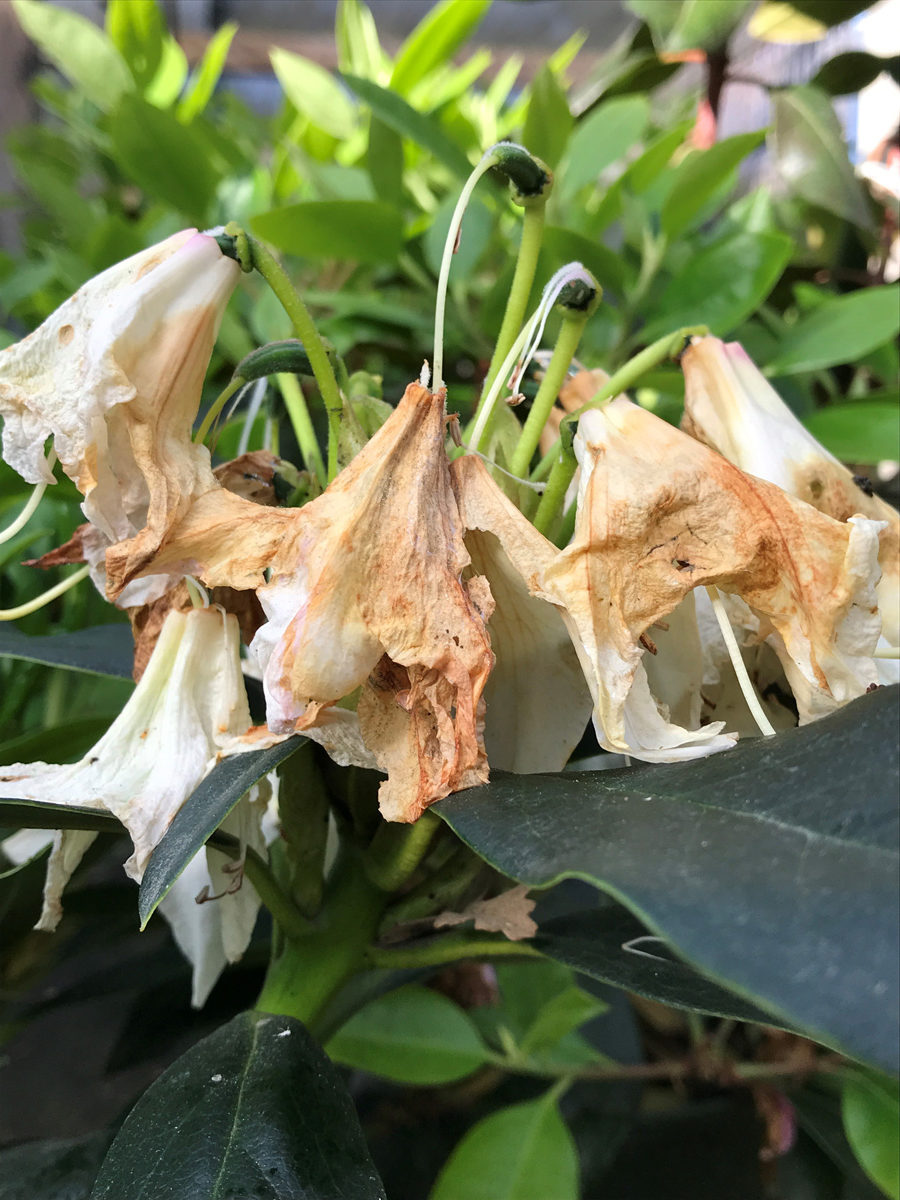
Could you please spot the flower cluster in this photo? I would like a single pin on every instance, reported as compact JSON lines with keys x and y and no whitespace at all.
{"x":411,"y":618}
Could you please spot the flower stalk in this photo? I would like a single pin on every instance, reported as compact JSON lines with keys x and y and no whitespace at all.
{"x":30,"y":606}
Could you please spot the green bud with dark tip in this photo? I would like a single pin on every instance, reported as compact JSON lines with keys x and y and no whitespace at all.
{"x":529,"y":177}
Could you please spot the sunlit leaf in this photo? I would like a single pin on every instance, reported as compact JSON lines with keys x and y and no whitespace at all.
{"x":79,"y":48}
{"x":435,"y":40}
{"x":315,"y":93}
{"x":366,"y":231}
{"x":839,"y":331}
{"x":207,"y":73}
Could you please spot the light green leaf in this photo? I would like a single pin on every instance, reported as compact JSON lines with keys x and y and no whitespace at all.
{"x":207,"y":74}
{"x":524,"y":1152}
{"x":165,"y":86}
{"x":548,"y":123}
{"x":811,"y":154}
{"x":722,"y":285}
{"x":80,"y":49}
{"x":384,"y":161}
{"x":784,"y":24}
{"x":170,"y":161}
{"x":365,"y":231}
{"x":137,"y":29}
{"x":475,"y":235}
{"x":561,"y":1015}
{"x":435,"y":40}
{"x":862,"y":431}
{"x":641,"y":173}
{"x":424,"y":130}
{"x":602,"y":138}
{"x":870,"y":1106}
{"x":706,"y":24}
{"x":356,"y":37}
{"x":411,"y":1035}
{"x":839,"y":331}
{"x":700,"y":175}
{"x":315,"y":93}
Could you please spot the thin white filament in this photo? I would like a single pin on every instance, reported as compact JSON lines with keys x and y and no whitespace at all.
{"x":30,"y":606}
{"x":28,"y":511}
{"x":737,"y":662}
{"x":197,"y":592}
{"x":488,"y":159}
{"x":256,"y":399}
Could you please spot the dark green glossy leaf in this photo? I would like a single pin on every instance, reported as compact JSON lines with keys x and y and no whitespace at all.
{"x":254,"y":1110}
{"x":870,"y":1106}
{"x":524,"y":1152}
{"x":862,"y":431}
{"x":610,"y":944}
{"x":411,"y":1035}
{"x":424,"y":130}
{"x":367,"y":231}
{"x":850,"y":72}
{"x":202,"y":814}
{"x":831,"y":12}
{"x":700,"y":176}
{"x":52,"y":1170}
{"x":840,"y":330}
{"x":170,"y":161}
{"x":38,"y":814}
{"x":548,"y":122}
{"x":811,"y":155}
{"x":100,"y":650}
{"x":722,"y":285}
{"x":772,"y":867}
{"x":435,"y":40}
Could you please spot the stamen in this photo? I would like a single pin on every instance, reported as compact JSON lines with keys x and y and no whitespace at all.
{"x":30,"y":606}
{"x":737,"y":662}
{"x":33,"y":501}
{"x":488,"y":160}
{"x":257,"y":396}
{"x":197,"y":592}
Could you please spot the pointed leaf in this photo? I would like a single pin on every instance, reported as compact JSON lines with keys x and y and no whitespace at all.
{"x":849,"y":73}
{"x":811,"y":154}
{"x":838,"y":331}
{"x":358,"y":48}
{"x":435,"y":40}
{"x":602,"y":138}
{"x":80,"y":49}
{"x":411,"y":1035}
{"x":136,"y":28}
{"x":870,"y":1106}
{"x":256,"y":1109}
{"x":520,"y":1153}
{"x":315,"y":93}
{"x":856,"y":432}
{"x":99,"y":650}
{"x":38,"y":814}
{"x":773,"y":867}
{"x":548,"y":122}
{"x":420,"y":128}
{"x":699,"y":177}
{"x":207,"y":74}
{"x":202,"y":814}
{"x":366,"y":231}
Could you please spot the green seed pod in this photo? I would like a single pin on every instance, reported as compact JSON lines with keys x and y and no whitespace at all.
{"x":529,"y":177}
{"x":276,"y":357}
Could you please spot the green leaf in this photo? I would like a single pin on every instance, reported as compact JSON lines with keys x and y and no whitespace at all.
{"x":722,"y":285}
{"x":565,"y":245}
{"x":56,"y":743}
{"x":384,"y":161}
{"x":851,"y":72}
{"x":839,"y":331}
{"x":811,"y":155}
{"x":699,"y":177}
{"x":690,"y":24}
{"x":475,"y":236}
{"x":165,"y":86}
{"x":170,"y":161}
{"x":524,"y":1152}
{"x":548,"y":122}
{"x":38,"y":814}
{"x":137,"y":29}
{"x":99,"y":650}
{"x":831,"y":12}
{"x":435,"y":40}
{"x":608,"y":943}
{"x":206,"y":74}
{"x":424,"y":130}
{"x":315,"y":93}
{"x":561,"y":1015}
{"x":858,"y":432}
{"x":202,"y":814}
{"x":52,"y":1170}
{"x":870,"y":1106}
{"x":411,"y":1035}
{"x":81,"y":50}
{"x":602,"y":138}
{"x":358,"y":48}
{"x":641,"y":173}
{"x":256,"y":1109}
{"x":711,"y":856}
{"x":365,"y":231}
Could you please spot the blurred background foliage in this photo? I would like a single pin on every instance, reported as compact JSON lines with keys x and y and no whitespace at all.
{"x":770,"y":236}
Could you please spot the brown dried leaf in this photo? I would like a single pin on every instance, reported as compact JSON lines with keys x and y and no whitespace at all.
{"x":507,"y":913}
{"x":71,"y":551}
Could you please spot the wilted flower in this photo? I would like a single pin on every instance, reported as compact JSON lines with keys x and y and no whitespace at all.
{"x":660,"y":514}
{"x":114,"y":376}
{"x":732,"y":407}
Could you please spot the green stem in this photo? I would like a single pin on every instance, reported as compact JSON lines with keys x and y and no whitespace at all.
{"x":450,"y":949}
{"x":292,"y":923}
{"x":563,"y":352}
{"x":295,"y":403}
{"x":216,"y":407}
{"x":301,"y":981}
{"x":520,"y":290}
{"x":304,"y":327}
{"x":396,"y":851}
{"x":555,"y":492}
